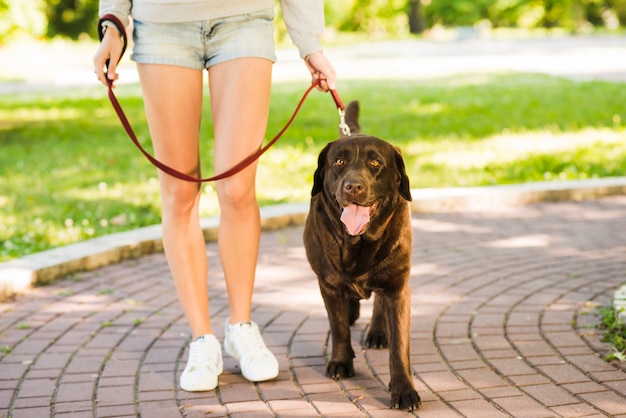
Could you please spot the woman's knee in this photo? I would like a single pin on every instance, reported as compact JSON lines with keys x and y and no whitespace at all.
{"x":180,"y":197}
{"x":235,"y":194}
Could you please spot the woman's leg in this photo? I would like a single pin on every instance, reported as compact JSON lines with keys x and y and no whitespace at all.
{"x":173,"y":103}
{"x":240,"y":96}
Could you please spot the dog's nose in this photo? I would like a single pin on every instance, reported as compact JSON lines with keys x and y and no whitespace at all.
{"x":353,"y":187}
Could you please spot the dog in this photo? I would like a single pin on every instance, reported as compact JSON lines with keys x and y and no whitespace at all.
{"x":358,"y":239}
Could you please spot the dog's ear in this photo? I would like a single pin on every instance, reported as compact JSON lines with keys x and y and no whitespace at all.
{"x":403,"y":187}
{"x":318,"y":176}
{"x":352,"y":117}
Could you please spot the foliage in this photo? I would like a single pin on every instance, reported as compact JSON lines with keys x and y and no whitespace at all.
{"x":20,"y":18}
{"x":68,"y":172}
{"x":375,"y":16}
{"x":71,"y":18}
{"x":614,"y":333}
{"x":457,"y":12}
{"x":573,"y":15}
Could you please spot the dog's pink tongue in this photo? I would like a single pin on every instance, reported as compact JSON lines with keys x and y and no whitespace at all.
{"x":355,"y":217}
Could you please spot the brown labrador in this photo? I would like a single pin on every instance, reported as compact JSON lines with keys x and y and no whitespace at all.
{"x":357,"y":238}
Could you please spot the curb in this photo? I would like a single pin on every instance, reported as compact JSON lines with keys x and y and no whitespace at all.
{"x":19,"y":275}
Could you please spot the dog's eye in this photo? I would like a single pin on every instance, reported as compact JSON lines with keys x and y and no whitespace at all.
{"x":375,"y":163}
{"x":339,"y":162}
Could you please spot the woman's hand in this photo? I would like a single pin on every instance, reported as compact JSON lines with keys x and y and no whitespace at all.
{"x":322,"y":71}
{"x":110,"y":49}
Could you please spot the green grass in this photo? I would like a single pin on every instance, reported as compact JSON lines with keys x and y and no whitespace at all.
{"x":68,"y":172}
{"x":614,"y":333}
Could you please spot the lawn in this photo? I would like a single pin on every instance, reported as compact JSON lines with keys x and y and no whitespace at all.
{"x":68,"y":172}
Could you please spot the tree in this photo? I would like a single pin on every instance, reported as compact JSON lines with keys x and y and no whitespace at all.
{"x":417,"y":23}
{"x":377,"y":16}
{"x":71,"y":18}
{"x":21,"y":17}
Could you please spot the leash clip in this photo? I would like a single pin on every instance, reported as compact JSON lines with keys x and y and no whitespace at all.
{"x":343,"y":126}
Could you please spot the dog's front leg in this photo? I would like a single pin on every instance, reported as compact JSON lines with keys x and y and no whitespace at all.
{"x":341,"y":363}
{"x":398,"y":308}
{"x":377,"y":335}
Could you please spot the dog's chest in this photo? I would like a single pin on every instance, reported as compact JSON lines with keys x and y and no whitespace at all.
{"x":359,"y":270}
{"x":351,"y":286}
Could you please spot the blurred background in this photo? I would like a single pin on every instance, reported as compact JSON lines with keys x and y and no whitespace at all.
{"x":76,"y":19}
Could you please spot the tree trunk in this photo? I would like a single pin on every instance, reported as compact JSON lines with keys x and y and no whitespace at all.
{"x":416,"y":17}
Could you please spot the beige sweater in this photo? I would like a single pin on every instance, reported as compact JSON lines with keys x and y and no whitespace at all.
{"x":304,"y":18}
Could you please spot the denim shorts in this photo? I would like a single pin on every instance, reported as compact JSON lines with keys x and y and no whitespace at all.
{"x":201,"y":44}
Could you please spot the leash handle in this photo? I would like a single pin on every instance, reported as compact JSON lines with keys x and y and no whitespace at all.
{"x":121,"y":29}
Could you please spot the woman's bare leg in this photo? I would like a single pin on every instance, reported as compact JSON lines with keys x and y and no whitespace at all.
{"x":173,"y":103}
{"x":240,"y":96}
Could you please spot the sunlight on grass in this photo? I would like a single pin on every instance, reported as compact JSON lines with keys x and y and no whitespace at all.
{"x":508,"y":148}
{"x":38,"y":115}
{"x":534,"y":156}
{"x":286,"y":175}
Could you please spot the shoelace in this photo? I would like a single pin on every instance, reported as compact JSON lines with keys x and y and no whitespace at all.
{"x":200,"y":354}
{"x":249,"y":342}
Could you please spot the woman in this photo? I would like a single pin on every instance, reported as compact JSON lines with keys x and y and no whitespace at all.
{"x":174,"y":41}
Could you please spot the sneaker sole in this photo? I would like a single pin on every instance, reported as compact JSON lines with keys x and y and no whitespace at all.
{"x":209,"y":384}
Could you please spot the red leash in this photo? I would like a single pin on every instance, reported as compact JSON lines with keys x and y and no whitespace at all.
{"x":169,"y":170}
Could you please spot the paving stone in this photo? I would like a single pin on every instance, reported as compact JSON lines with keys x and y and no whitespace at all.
{"x":550,"y":395}
{"x":606,"y":401}
{"x":575,"y":410}
{"x":478,"y":408}
{"x":31,"y":412}
{"x":530,"y":407}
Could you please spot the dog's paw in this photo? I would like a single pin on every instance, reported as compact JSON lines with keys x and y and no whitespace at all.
{"x":338,"y":369}
{"x":376,"y":340}
{"x":408,"y":399}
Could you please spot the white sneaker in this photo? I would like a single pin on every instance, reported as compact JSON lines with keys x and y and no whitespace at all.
{"x":243,"y":342}
{"x":203,"y":366}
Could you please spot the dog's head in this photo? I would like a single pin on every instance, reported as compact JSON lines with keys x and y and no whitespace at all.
{"x":365,"y":175}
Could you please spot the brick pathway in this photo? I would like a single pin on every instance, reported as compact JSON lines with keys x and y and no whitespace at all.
{"x":504,"y":304}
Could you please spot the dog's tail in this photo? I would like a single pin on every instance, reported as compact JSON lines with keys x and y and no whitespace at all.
{"x":352,"y":117}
